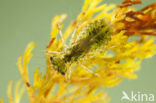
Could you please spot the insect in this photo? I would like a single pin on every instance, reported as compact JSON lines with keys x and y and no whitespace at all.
{"x":90,"y":38}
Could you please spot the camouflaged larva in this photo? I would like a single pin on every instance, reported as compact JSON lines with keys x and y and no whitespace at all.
{"x":91,"y":37}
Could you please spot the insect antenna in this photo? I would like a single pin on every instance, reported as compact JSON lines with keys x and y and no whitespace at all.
{"x":100,"y":52}
{"x":90,"y":71}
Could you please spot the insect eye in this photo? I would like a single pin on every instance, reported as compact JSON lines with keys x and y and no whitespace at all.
{"x":51,"y":58}
{"x":63,"y":73}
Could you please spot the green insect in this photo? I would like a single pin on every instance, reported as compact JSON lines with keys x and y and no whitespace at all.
{"x":90,"y":38}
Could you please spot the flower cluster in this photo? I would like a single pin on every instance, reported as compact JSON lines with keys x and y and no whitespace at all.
{"x":119,"y":59}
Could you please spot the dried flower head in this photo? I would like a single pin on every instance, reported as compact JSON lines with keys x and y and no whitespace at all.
{"x":118,"y":59}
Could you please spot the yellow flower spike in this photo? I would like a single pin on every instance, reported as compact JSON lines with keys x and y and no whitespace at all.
{"x":86,"y":4}
{"x":23,"y":67}
{"x":9,"y":92}
{"x":1,"y":100}
{"x":88,"y":11}
{"x":92,"y":96}
{"x":103,"y":96}
{"x":55,"y":22}
{"x":104,"y":12}
{"x":37,"y":79}
{"x":154,"y":49}
{"x":106,"y":66}
{"x":27,"y":56}
{"x":18,"y":92}
{"x":100,"y":8}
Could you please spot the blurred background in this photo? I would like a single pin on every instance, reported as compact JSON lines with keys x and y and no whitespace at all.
{"x":24,"y":21}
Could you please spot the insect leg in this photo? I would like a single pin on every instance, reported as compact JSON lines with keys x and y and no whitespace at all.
{"x":100,"y":52}
{"x":68,"y":75}
{"x":73,"y":34}
{"x":61,"y":35}
{"x":49,"y":52}
{"x":89,"y":70}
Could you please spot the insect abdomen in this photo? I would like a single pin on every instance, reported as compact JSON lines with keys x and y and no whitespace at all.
{"x":91,"y":37}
